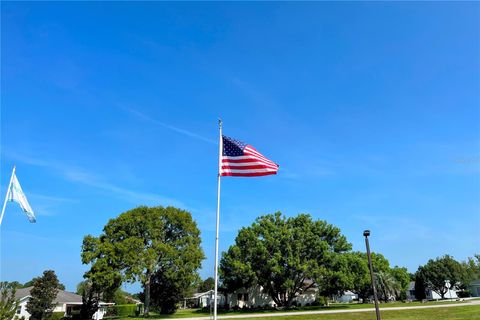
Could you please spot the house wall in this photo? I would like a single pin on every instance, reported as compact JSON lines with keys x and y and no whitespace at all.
{"x":432,"y":295}
{"x":60,"y":307}
{"x":475,"y":288}
{"x":23,"y":309}
{"x":347,"y":297}
{"x":258,"y":298}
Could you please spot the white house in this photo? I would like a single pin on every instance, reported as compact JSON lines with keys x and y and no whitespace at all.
{"x":257,"y":297}
{"x":430,"y":294}
{"x":347,"y":296}
{"x":67,"y":302}
{"x":203,"y":299}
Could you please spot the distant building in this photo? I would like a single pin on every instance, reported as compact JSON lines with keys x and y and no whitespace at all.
{"x":257,"y":297}
{"x":430,"y":294}
{"x":475,"y":288}
{"x":67,"y":302}
{"x":201,"y":299}
{"x":347,"y":296}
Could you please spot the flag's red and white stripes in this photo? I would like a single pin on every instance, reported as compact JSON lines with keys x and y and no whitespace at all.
{"x":251,"y":164}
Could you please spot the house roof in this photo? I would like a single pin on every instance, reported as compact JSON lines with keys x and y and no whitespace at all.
{"x":62,"y":296}
{"x":201,"y":294}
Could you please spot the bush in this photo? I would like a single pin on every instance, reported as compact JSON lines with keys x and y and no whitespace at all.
{"x":321,"y":301}
{"x":463,"y":294}
{"x":122,"y":310}
{"x":56,"y":315}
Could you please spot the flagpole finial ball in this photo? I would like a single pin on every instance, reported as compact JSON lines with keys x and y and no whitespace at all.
{"x":366,"y":233}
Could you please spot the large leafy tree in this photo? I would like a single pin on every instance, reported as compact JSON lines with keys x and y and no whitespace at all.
{"x":44,"y":291}
{"x":387,"y":286}
{"x":280,"y":253}
{"x":8,"y":303}
{"x":206,"y":285}
{"x":437,"y":271}
{"x":141,"y":244}
{"x":358,"y":267}
{"x":402,"y":276}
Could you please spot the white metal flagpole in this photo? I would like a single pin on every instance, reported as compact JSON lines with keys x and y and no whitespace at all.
{"x":220,"y":151}
{"x":6,"y":195}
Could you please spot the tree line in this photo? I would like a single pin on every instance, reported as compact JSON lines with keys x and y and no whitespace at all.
{"x":160,"y":247}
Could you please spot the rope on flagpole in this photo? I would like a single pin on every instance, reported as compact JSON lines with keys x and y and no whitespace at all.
{"x":6,"y":195}
{"x":220,"y":151}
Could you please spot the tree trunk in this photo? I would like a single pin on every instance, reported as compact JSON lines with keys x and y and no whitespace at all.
{"x":147,"y":295}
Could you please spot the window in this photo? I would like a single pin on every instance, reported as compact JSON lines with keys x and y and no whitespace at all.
{"x":19,"y":309}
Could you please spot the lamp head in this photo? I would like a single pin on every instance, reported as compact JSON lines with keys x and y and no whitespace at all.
{"x":366,"y":233}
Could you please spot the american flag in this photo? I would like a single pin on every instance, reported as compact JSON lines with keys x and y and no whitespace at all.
{"x":242,"y":160}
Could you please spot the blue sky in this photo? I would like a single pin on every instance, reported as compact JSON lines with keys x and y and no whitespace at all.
{"x":371,"y":109}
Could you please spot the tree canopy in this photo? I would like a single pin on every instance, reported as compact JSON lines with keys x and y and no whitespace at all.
{"x":143,"y":244}
{"x":206,"y":285}
{"x":44,"y":291}
{"x":280,"y":254}
{"x":8,"y":303}
{"x":435,"y":273}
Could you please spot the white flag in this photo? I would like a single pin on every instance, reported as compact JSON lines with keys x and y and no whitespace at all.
{"x":16,"y":194}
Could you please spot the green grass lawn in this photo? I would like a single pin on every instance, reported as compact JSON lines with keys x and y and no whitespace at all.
{"x":189,"y":313}
{"x":466,"y":312}
{"x":457,"y":313}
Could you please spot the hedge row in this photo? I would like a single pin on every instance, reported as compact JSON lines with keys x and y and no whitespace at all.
{"x":122,"y":310}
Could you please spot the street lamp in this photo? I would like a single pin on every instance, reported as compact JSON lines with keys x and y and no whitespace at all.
{"x":366,"y":233}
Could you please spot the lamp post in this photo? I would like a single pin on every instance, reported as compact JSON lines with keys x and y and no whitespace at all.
{"x":366,"y":233}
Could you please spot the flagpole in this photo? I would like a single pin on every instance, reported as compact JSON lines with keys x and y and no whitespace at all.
{"x":220,"y":151}
{"x":6,"y":195}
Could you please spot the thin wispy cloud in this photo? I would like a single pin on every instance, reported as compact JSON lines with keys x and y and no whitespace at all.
{"x":87,"y":178}
{"x":82,"y":176}
{"x":150,"y":119}
{"x":51,"y":198}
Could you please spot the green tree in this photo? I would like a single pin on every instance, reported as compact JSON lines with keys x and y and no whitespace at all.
{"x":358,"y":266}
{"x":280,"y":253}
{"x":90,"y":298}
{"x":402,"y":276}
{"x":142,"y":243}
{"x":386,"y":285}
{"x":32,"y":282}
{"x":470,"y":271}
{"x":436,"y":272}
{"x":206,"y":285}
{"x":44,"y":291}
{"x":420,"y":287}
{"x":8,"y":303}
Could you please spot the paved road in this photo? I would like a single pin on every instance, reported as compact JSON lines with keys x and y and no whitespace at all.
{"x":298,"y":313}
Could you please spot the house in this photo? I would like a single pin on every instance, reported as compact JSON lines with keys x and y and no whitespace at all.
{"x":257,"y":297}
{"x":67,"y":302}
{"x":411,"y":291}
{"x":203,"y":300}
{"x":430,"y":294}
{"x":475,"y":288}
{"x":347,"y":296}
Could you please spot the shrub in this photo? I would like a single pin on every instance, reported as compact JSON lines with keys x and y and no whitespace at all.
{"x":122,"y":310}
{"x":321,"y":301}
{"x":463,"y":294}
{"x":56,"y":315}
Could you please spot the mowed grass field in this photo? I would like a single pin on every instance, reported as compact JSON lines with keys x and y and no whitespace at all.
{"x":470,"y":312}
{"x":193,"y":313}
